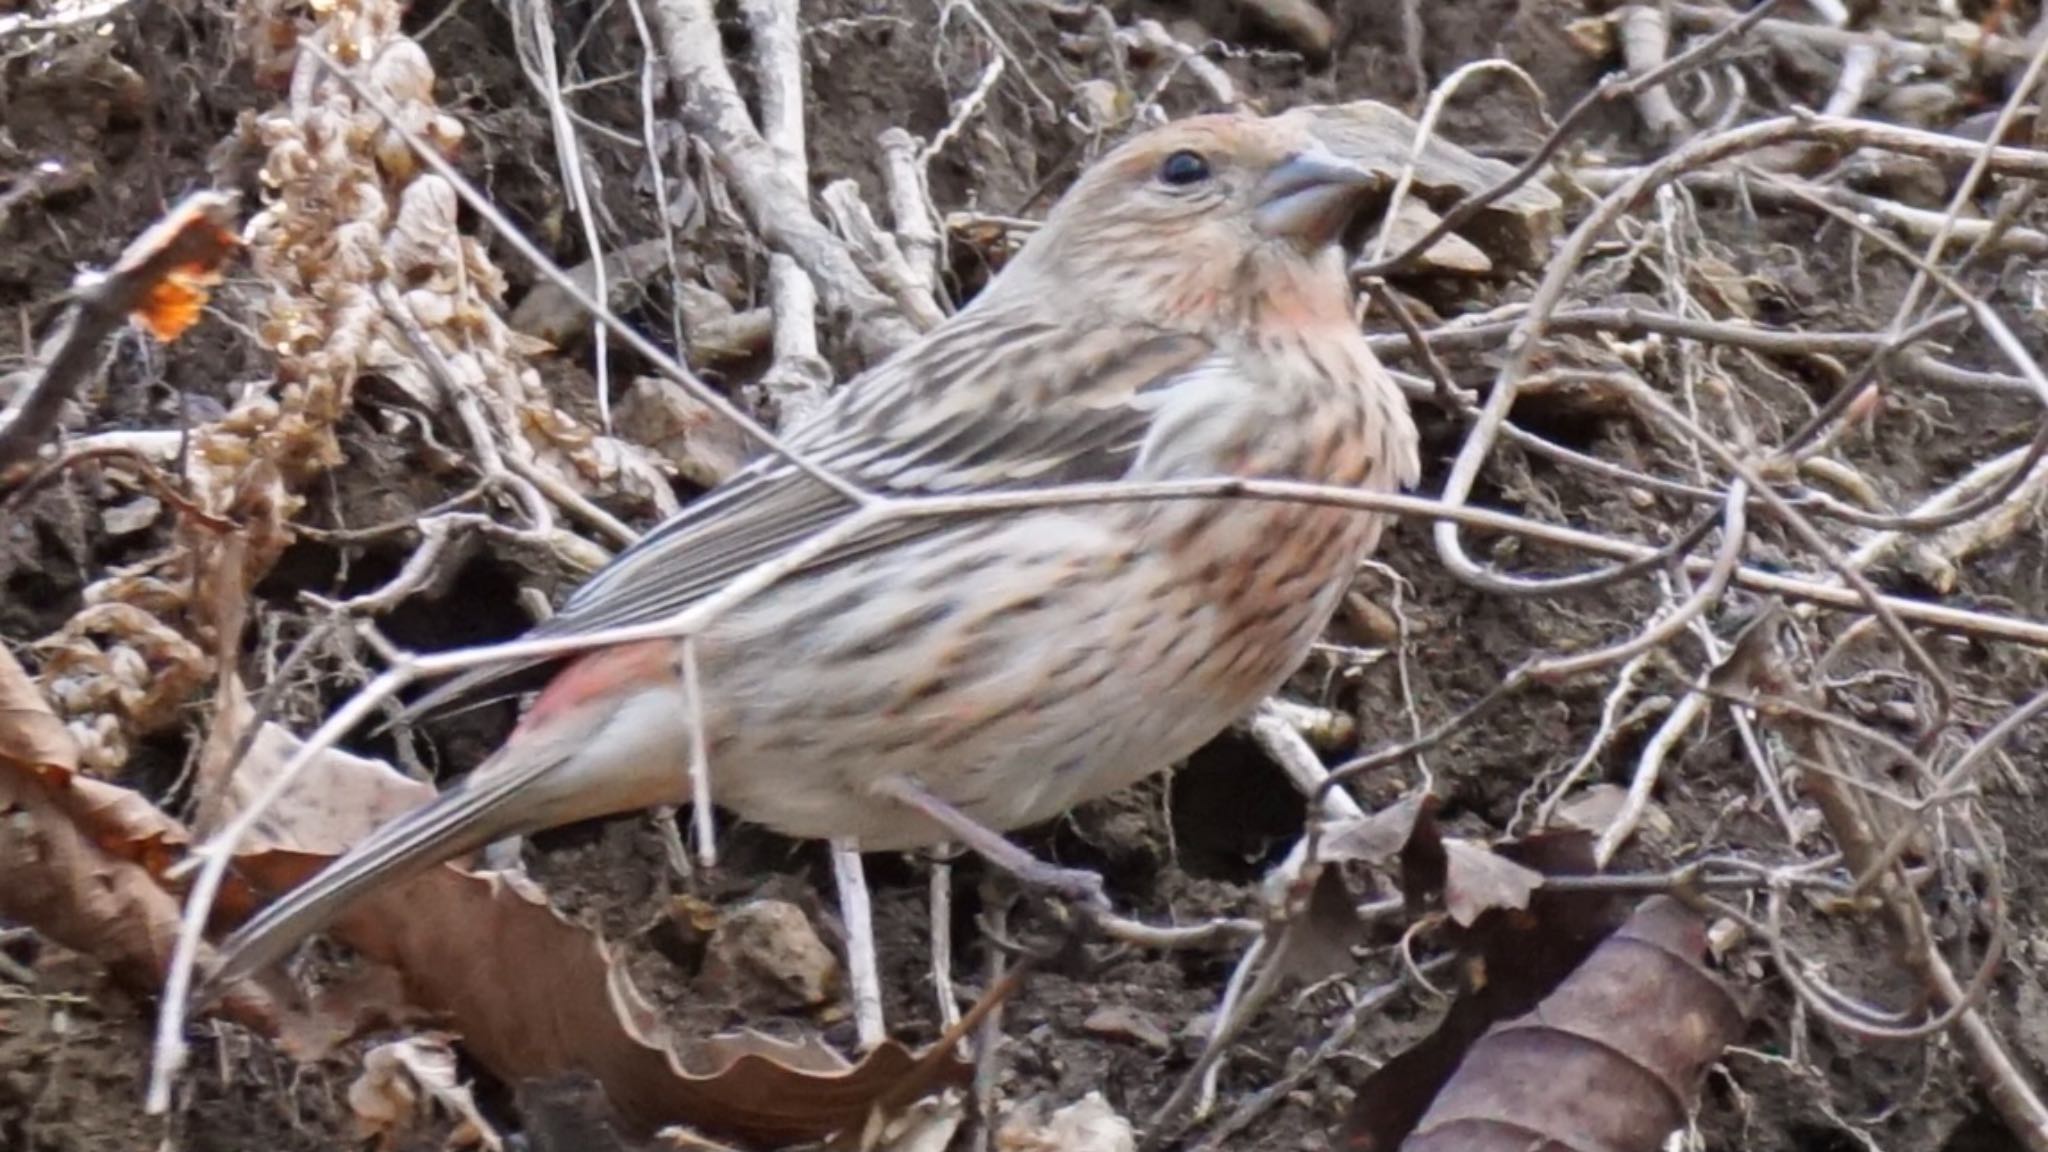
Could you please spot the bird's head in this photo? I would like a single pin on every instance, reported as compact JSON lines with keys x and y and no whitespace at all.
{"x":1215,"y":218}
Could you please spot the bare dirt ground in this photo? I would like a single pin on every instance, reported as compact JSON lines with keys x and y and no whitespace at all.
{"x":101,"y":129}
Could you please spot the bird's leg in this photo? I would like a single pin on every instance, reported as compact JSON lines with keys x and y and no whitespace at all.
{"x":1075,"y":884}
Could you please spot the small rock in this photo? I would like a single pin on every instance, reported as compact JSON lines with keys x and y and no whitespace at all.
{"x":1297,"y":23}
{"x":134,"y":516}
{"x":1119,"y":1022}
{"x":1723,"y":935}
{"x":659,"y":414}
{"x":766,"y":952}
{"x":1926,"y":104}
{"x":1101,"y":102}
{"x":1088,"y":1125}
{"x":1453,"y":254}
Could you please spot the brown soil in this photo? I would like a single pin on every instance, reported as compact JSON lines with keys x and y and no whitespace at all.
{"x":133,"y":119}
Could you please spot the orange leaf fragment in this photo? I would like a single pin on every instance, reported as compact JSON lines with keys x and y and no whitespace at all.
{"x":176,"y":262}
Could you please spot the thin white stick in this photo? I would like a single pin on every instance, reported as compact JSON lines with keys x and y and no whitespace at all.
{"x":1425,"y":130}
{"x":910,"y":207}
{"x":703,"y":829}
{"x":964,"y":110}
{"x":1610,"y":721}
{"x":1649,"y":769}
{"x":542,"y":68}
{"x":778,"y":61}
{"x":1645,"y":35}
{"x":170,"y":1051}
{"x":1226,"y":1011}
{"x":1852,"y":87}
{"x":1305,"y":770}
{"x":1966,"y":189}
{"x":798,"y":377}
{"x":942,"y":941}
{"x":780,"y":210}
{"x":1284,"y":744}
{"x":657,"y":164}
{"x":863,"y":976}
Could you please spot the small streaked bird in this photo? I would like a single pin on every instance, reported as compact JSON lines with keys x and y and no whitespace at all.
{"x":1183,"y":314}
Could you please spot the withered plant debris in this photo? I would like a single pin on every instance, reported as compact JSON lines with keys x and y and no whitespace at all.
{"x":403,"y":1081}
{"x":82,"y":859}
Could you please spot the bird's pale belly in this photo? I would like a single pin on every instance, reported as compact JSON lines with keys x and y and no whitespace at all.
{"x":1013,"y":671}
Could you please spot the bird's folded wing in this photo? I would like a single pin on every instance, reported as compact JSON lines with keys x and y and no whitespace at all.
{"x":1011,"y":407}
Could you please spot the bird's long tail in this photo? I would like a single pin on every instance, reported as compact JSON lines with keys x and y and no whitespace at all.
{"x":603,"y":739}
{"x":496,"y":801}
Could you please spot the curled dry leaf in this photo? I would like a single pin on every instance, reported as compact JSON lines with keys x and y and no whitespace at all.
{"x":1477,"y":881}
{"x":1510,"y":957}
{"x":1317,"y":939}
{"x":1612,"y":1059}
{"x":80,"y":856}
{"x":927,"y":1126}
{"x":1468,"y":881}
{"x":401,"y":1079}
{"x":1465,"y":878}
{"x":1377,"y":838}
{"x":534,"y":996}
{"x":338,"y":799}
{"x":1320,"y":925}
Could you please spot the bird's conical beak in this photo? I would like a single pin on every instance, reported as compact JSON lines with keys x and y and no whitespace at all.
{"x":1309,"y":198}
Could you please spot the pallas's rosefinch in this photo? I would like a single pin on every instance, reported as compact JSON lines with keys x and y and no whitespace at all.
{"x":1184,"y":313}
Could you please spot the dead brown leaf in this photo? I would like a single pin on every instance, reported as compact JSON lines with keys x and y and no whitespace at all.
{"x":338,"y":799}
{"x":534,"y":996}
{"x":1479,"y":880}
{"x":1510,"y":957}
{"x":1611,"y":1059}
{"x":1376,"y":838}
{"x":82,"y":856}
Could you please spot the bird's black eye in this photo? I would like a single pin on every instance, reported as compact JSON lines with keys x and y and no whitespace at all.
{"x":1184,"y":168}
